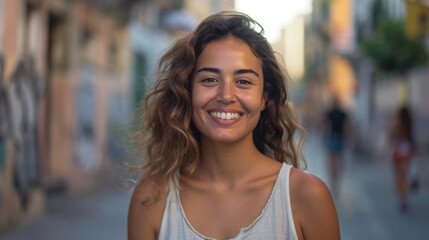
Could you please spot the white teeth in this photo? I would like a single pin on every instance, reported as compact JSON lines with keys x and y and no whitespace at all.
{"x":225,"y":116}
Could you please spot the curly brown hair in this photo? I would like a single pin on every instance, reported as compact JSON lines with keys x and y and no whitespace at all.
{"x":166,"y":137}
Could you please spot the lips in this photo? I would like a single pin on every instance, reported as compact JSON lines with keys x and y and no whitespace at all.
{"x":225,"y":115}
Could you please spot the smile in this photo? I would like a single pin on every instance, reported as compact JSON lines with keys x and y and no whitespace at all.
{"x":225,"y":115}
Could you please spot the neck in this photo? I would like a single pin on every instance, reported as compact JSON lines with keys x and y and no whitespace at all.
{"x":228,"y":162}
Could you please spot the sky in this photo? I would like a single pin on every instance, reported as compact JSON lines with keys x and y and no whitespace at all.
{"x":273,"y":14}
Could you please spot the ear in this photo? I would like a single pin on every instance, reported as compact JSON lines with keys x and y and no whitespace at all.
{"x":264,"y":101}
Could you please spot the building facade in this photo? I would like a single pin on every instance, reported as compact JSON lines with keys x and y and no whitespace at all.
{"x":71,"y":75}
{"x":62,"y":63}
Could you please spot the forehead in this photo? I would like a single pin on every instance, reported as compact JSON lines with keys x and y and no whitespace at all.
{"x":230,"y":50}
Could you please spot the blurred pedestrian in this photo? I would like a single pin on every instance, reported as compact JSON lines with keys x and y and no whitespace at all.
{"x":336,"y":130}
{"x":402,"y":145}
{"x":218,"y":137}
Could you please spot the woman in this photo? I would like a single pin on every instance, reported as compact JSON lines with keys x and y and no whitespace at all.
{"x":218,"y":143}
{"x":336,"y":130}
{"x":402,"y":150}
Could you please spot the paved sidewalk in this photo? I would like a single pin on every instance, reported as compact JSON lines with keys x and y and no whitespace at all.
{"x":97,"y":215}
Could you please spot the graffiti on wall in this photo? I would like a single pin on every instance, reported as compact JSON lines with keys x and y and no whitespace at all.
{"x":85,"y":144}
{"x":23,"y":94}
{"x":118,"y":117}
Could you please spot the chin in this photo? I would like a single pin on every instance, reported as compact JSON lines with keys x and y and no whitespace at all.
{"x":224,"y":138}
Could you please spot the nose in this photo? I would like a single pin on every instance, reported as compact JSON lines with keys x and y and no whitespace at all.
{"x":226,"y":92}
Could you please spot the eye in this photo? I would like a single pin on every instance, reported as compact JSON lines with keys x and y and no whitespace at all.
{"x":243,"y":82}
{"x":209,"y":81}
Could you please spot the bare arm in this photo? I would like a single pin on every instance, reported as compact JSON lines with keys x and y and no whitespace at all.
{"x":144,"y":218}
{"x":314,"y":212}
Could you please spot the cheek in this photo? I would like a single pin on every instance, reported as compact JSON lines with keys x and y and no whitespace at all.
{"x":197,"y":99}
{"x":254,"y":102}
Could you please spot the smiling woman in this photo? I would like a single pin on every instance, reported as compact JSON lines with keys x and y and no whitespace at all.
{"x":217,"y":137}
{"x":228,"y":82}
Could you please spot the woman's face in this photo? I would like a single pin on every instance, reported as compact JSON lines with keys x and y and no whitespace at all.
{"x":227,"y":91}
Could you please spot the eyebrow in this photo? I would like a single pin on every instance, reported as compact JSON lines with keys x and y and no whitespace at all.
{"x":236,"y":72}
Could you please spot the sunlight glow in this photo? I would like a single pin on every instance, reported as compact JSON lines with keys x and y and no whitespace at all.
{"x":273,"y":14}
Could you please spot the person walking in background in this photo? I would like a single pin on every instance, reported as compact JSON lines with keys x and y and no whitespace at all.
{"x":217,"y":139}
{"x":336,"y":130}
{"x":402,"y":145}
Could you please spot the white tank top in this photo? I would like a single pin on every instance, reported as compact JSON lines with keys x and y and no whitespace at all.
{"x":274,"y":222}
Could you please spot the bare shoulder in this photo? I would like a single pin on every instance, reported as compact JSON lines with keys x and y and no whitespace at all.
{"x":314,"y":212}
{"x":146,"y":208}
{"x":307,"y":186}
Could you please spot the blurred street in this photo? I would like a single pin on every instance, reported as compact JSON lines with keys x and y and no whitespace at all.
{"x":73,"y":74}
{"x":366,"y":205}
{"x":100,"y":214}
